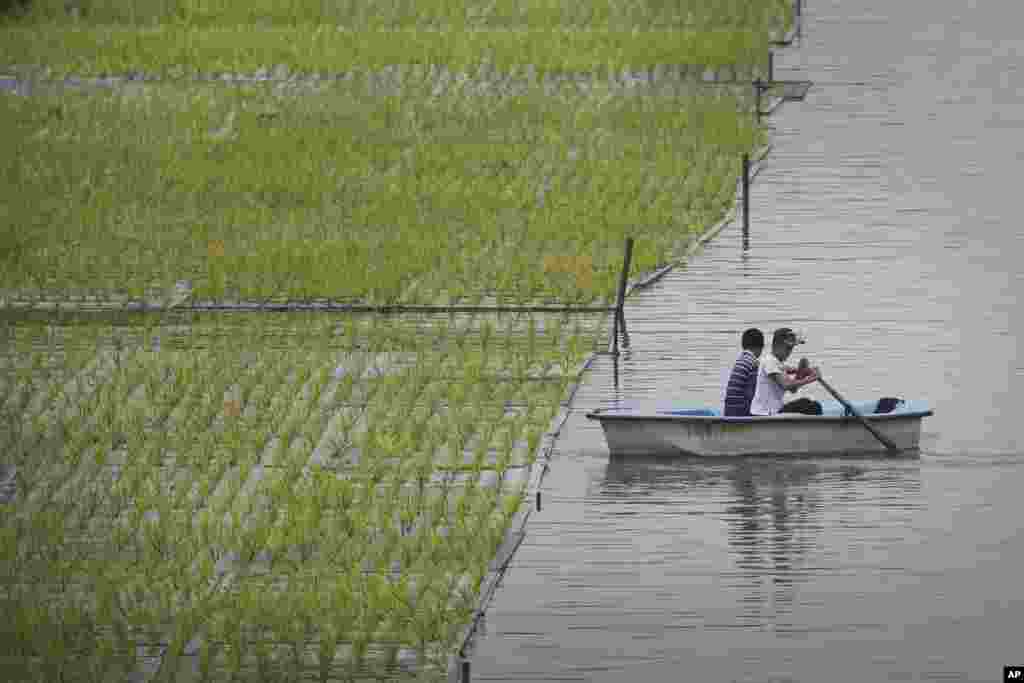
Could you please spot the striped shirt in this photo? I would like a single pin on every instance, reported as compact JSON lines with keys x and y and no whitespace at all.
{"x":739,"y":392}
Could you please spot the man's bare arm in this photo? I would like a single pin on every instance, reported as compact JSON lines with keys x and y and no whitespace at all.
{"x":790,"y":382}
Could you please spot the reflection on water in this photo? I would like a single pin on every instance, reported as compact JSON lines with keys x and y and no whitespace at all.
{"x":775,"y":511}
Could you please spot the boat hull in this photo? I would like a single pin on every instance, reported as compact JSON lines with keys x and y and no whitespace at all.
{"x":671,"y":433}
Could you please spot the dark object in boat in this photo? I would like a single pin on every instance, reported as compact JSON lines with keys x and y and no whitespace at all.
{"x":888,"y":404}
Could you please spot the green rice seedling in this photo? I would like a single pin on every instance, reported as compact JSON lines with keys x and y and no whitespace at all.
{"x":511,"y":504}
{"x":464,"y":505}
{"x":457,"y":394}
{"x":533,"y":437}
{"x":328,"y":647}
{"x":234,"y":649}
{"x":504,"y":457}
{"x":206,"y":656}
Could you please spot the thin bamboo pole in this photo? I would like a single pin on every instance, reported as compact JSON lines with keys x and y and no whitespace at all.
{"x":620,"y":298}
{"x":746,"y":201}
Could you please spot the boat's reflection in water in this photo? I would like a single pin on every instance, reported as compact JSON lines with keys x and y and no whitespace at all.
{"x":781,"y":515}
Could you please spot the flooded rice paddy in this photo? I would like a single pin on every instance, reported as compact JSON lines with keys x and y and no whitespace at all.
{"x":884,"y":227}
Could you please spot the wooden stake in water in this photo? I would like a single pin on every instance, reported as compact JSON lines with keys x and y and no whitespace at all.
{"x":615,"y":374}
{"x":620,"y":299}
{"x":746,"y":201}
{"x":757,"y":100}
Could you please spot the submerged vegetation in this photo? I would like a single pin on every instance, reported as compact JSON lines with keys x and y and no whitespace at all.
{"x":314,"y":496}
{"x":320,"y":496}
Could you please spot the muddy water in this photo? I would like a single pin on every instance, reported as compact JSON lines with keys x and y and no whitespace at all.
{"x":885,"y":228}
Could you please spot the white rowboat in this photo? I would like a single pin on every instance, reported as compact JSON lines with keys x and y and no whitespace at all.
{"x":704,"y":432}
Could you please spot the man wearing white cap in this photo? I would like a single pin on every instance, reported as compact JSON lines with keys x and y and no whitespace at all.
{"x":774,"y":379}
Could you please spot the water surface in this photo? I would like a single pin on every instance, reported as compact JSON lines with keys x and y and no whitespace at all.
{"x":886,"y":229}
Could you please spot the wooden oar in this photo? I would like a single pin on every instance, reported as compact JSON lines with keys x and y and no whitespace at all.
{"x":846,"y":404}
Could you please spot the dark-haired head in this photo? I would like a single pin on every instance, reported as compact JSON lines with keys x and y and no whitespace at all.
{"x":753,"y":340}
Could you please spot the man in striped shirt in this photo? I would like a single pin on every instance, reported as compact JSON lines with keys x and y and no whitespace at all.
{"x":739,"y":391}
